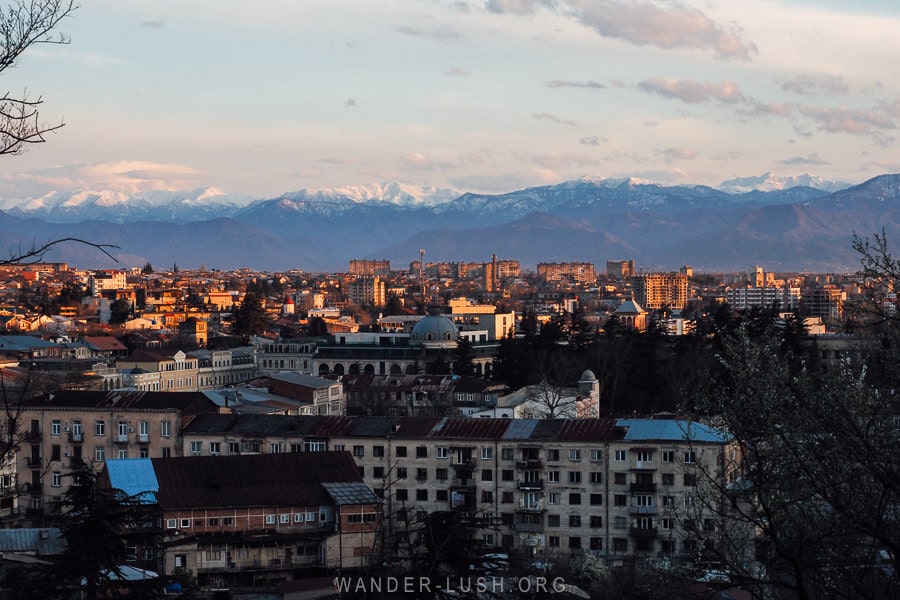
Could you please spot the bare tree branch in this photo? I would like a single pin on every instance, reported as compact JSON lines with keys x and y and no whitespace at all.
{"x":36,"y":254}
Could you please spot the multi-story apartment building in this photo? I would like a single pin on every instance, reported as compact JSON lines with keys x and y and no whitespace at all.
{"x":286,"y":354}
{"x":218,"y":368}
{"x":580,"y":272}
{"x":235,"y":520}
{"x":175,"y":371}
{"x":107,"y":280}
{"x":364,"y":267}
{"x":826,"y":302}
{"x":471,"y":316}
{"x":620,"y":269}
{"x":58,"y":431}
{"x":660,"y":290}
{"x":616,"y":488}
{"x":367,"y":291}
{"x":784,"y":297}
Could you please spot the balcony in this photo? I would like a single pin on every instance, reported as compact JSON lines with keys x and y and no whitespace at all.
{"x":33,"y":435}
{"x":35,"y":489}
{"x":642,"y":510}
{"x":536,"y":506}
{"x":465,"y":463}
{"x":529,"y":463}
{"x":528,"y":527}
{"x":643,"y":465}
{"x":537,"y":484}
{"x":642,"y":533}
{"x":643,"y":488}
{"x":76,"y":437}
{"x":33,"y":461}
{"x":143,"y":438}
{"x":121,"y":438}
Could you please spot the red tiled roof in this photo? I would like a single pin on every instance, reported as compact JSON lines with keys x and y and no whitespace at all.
{"x":104,"y":342}
{"x":285,"y":479}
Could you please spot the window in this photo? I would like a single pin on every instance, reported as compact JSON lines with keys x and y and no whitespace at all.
{"x":668,"y":479}
{"x":709,"y":525}
{"x":596,"y":477}
{"x":620,"y":500}
{"x":401,"y":472}
{"x":487,"y":475}
{"x":620,"y":522}
{"x":55,"y":428}
{"x":553,"y":498}
{"x":574,"y":542}
{"x":214,"y":522}
{"x":122,"y":453}
{"x":144,"y":452}
{"x":359,"y":451}
{"x":270,"y":519}
{"x":421,"y":474}
{"x":574,"y":498}
{"x":441,"y":452}
{"x":171,"y":523}
{"x":690,"y":457}
{"x":422,"y":495}
{"x":144,"y":428}
{"x":596,"y":543}
{"x":620,"y":545}
{"x":421,"y":451}
{"x":596,"y":499}
{"x":575,"y":455}
{"x":620,"y":456}
{"x":180,"y":560}
{"x":552,"y":520}
{"x":507,"y":453}
{"x":487,"y":496}
{"x":645,"y":456}
{"x":668,"y":456}
{"x":690,"y":479}
{"x":213,"y":555}
{"x":643,"y":500}
{"x":668,"y":501}
{"x":284,"y":519}
{"x":215,"y":448}
{"x":440,"y":474}
{"x":196,"y":447}
{"x":298,"y":518}
{"x":553,"y":476}
{"x":487,"y":453}
{"x":165,"y":429}
{"x":166,"y":451}
{"x":56,"y":480}
{"x":621,"y":478}
{"x":552,"y":455}
{"x":574,"y":476}
{"x":123,"y":429}
{"x":228,"y":521}
{"x":668,"y":523}
{"x":574,"y":520}
{"x":77,"y":431}
{"x":440,"y":495}
{"x":315,"y":446}
{"x":310,"y":517}
{"x":99,"y":453}
{"x":276,"y":447}
{"x":596,"y":521}
{"x":234,"y":447}
{"x":688,"y":501}
{"x":99,"y":428}
{"x":185,"y":523}
{"x":507,"y":475}
{"x":553,"y":541}
{"x":596,"y":455}
{"x":400,"y":451}
{"x":402,"y":494}
{"x":55,"y":452}
{"x":506,"y":497}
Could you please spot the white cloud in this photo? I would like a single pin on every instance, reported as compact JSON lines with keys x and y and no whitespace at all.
{"x":544,"y":116}
{"x":692,"y":92}
{"x":125,"y":176}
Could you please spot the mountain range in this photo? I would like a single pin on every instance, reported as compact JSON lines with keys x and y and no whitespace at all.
{"x":783,"y":224}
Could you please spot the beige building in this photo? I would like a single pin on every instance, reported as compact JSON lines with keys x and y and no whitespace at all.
{"x":615,"y":488}
{"x":660,"y":290}
{"x":367,"y":291}
{"x":580,"y":272}
{"x":61,"y":430}
{"x":176,"y":371}
{"x":469,"y":316}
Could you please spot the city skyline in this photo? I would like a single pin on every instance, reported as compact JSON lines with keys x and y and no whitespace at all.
{"x":478,"y":96}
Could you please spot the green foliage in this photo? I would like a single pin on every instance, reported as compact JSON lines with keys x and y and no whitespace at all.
{"x":250,"y":317}
{"x":147,"y":269}
{"x":120,"y":311}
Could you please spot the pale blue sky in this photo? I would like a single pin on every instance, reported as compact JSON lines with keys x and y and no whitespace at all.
{"x":485,"y":96}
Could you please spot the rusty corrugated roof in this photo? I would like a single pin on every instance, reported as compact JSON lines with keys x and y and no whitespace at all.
{"x":284,"y":479}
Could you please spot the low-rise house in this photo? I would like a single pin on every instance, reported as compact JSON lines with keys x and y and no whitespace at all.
{"x":244,"y":520}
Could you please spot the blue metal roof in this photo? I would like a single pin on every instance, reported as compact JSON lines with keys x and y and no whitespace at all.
{"x":134,"y":476}
{"x":673,"y":430}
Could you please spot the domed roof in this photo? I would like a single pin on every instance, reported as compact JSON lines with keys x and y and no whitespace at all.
{"x":434,"y":328}
{"x":588,"y":375}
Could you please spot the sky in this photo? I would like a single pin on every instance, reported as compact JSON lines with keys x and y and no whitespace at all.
{"x":488,"y":96}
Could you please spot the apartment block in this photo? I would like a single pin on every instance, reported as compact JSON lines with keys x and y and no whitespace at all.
{"x":785,"y":297}
{"x":62,"y":430}
{"x":580,"y":272}
{"x":615,"y":488}
{"x":363,"y":267}
{"x":660,"y":290}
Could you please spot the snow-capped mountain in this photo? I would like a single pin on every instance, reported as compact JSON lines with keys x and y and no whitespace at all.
{"x":770,"y":182}
{"x":122,"y":207}
{"x":391,"y":192}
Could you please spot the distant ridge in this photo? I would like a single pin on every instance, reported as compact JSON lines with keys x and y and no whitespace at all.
{"x":662,"y":227}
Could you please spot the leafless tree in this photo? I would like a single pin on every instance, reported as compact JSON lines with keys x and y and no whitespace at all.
{"x":24,"y":23}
